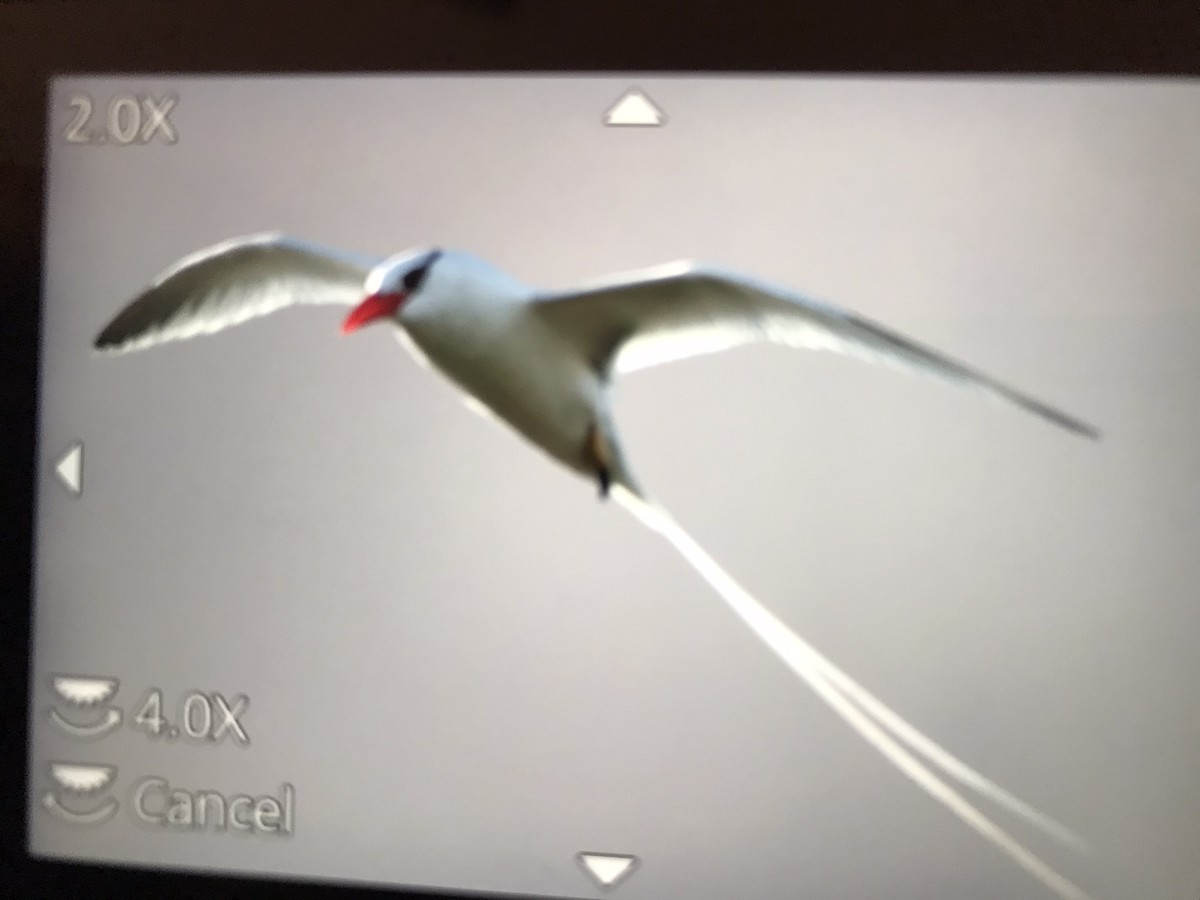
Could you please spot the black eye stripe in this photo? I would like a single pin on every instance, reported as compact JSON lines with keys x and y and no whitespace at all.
{"x":414,"y":277}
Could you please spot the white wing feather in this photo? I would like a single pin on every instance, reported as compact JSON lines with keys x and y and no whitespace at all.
{"x":232,"y":282}
{"x":680,"y":310}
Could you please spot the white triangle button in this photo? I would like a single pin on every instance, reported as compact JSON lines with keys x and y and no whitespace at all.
{"x":635,"y":108}
{"x":608,"y":869}
{"x":69,"y":469}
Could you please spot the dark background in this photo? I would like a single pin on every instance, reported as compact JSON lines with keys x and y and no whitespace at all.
{"x":39,"y":39}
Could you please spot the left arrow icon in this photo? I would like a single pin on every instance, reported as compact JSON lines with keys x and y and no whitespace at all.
{"x":69,"y":469}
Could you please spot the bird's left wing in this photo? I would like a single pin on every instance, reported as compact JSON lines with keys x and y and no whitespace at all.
{"x":232,"y":282}
{"x":680,"y":310}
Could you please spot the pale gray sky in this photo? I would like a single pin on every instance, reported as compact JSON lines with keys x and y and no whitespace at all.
{"x":468,"y":667}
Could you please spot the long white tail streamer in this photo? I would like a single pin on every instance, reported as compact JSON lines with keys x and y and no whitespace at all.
{"x":841,"y":693}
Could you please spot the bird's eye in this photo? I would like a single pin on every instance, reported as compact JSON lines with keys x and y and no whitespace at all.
{"x":413,"y":278}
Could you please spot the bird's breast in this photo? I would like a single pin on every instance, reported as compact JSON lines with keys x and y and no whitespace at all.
{"x":522,"y":371}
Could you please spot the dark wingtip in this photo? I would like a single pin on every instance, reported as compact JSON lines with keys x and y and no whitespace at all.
{"x":122,"y":330}
{"x":1083,"y":429}
{"x":1054,"y":416}
{"x":112,"y":340}
{"x":105,"y":341}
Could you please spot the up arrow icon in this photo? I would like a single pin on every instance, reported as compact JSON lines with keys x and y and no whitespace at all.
{"x":635,"y":108}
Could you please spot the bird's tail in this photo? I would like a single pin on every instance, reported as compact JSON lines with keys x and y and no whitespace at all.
{"x":878,"y":725}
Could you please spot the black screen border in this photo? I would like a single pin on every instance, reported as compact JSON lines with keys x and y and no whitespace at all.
{"x":44,"y":39}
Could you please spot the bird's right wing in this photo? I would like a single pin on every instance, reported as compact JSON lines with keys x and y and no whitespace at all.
{"x":232,"y":282}
{"x":658,"y":315}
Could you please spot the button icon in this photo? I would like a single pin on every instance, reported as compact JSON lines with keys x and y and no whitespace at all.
{"x":635,"y":109}
{"x":69,"y":469}
{"x":83,"y":780}
{"x":607,"y":869}
{"x":82,"y":692}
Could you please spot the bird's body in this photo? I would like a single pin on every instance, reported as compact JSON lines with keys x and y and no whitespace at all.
{"x":479,"y":328}
{"x":542,"y":363}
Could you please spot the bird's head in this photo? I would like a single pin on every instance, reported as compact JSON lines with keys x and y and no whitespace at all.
{"x":391,"y":285}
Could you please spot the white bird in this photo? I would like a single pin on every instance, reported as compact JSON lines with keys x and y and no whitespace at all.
{"x":542,"y":362}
